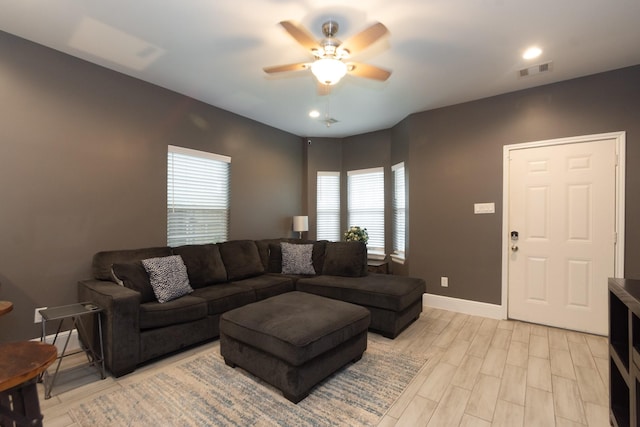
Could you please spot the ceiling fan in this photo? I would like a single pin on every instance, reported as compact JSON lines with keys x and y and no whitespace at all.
{"x":330,"y":54}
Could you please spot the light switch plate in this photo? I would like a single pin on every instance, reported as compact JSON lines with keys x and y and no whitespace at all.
{"x":484,"y":208}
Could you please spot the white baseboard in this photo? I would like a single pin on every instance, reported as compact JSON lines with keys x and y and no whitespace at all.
{"x":74,"y":341}
{"x":474,"y":308}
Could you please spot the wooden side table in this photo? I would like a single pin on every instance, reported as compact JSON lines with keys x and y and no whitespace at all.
{"x":21,"y":363}
{"x":5,"y":307}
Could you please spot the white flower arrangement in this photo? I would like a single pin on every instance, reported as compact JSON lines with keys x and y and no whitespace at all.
{"x":356,"y":234}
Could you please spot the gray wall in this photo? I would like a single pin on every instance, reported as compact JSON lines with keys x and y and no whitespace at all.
{"x":321,"y":154}
{"x":83,"y":168}
{"x":456,"y":160}
{"x":453,"y":157}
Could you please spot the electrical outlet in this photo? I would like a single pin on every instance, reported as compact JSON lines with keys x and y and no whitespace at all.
{"x":37,"y":317}
{"x":444,"y":282}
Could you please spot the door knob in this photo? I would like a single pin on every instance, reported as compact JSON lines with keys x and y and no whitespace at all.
{"x":514,"y":248}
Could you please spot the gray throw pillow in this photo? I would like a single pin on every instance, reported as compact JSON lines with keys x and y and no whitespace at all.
{"x":168,"y":277}
{"x":297,"y":259}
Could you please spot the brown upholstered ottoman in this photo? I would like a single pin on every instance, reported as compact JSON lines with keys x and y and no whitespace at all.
{"x":294,"y":340}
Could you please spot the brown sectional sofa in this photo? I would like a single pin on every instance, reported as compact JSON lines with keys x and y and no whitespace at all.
{"x":137,"y":328}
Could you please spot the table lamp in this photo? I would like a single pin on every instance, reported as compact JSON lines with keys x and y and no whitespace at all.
{"x":300,"y":224}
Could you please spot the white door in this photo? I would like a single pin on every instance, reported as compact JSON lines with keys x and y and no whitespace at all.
{"x":562,"y":204}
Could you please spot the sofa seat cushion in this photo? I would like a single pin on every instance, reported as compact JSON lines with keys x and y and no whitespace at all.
{"x":204,"y":264}
{"x":385,"y":291}
{"x":181,"y":310}
{"x":225,"y":297}
{"x":295,"y":327}
{"x":267,"y":285}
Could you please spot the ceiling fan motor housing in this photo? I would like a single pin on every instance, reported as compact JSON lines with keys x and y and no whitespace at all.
{"x":330,"y":29}
{"x":330,"y":43}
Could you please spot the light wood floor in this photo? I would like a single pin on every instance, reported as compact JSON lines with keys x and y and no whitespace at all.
{"x":479,"y":372}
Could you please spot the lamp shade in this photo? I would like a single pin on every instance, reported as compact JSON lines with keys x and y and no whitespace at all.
{"x":300,"y":223}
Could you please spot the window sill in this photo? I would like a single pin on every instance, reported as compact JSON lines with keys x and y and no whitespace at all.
{"x":398,"y":259}
{"x":377,"y":256}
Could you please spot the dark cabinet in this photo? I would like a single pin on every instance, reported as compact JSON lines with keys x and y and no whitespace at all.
{"x":624,"y":352}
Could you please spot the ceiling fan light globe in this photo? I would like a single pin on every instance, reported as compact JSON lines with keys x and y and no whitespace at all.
{"x":329,"y":71}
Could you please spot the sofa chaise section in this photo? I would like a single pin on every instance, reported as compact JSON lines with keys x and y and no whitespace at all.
{"x":394,"y":301}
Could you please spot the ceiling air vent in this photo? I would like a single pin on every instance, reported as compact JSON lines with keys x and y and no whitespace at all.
{"x":535,"y":69}
{"x":329,"y":121}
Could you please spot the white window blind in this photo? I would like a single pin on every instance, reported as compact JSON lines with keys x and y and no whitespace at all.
{"x":328,"y":206}
{"x":366,"y":205}
{"x":197,"y":197}
{"x":399,"y":210}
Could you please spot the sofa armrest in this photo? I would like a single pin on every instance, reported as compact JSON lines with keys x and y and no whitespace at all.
{"x":120,"y":322}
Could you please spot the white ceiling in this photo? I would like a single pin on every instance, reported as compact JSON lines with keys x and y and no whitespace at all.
{"x":441,"y":52}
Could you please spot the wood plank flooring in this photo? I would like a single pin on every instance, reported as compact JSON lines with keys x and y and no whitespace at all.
{"x":480,"y":372}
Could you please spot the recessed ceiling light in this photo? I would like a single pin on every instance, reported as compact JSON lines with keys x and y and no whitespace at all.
{"x":314,"y":114}
{"x":532,"y":52}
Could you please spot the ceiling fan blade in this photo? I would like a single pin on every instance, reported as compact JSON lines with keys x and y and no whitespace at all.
{"x":300,"y":34}
{"x":289,"y":67}
{"x":365,"y":38}
{"x":368,"y":71}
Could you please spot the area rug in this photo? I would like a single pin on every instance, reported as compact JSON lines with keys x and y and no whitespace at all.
{"x":206,"y":392}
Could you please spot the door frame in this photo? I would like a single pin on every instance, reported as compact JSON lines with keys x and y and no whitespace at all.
{"x":620,"y":142}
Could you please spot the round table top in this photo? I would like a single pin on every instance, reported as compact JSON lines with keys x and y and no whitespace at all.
{"x":24,"y":360}
{"x":5,"y":307}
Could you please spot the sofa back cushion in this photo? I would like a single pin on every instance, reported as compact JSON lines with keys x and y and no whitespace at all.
{"x":347,"y":259}
{"x":241,"y":259}
{"x":102,"y":261}
{"x":264,"y":249}
{"x":134,"y":276}
{"x":204,"y":264}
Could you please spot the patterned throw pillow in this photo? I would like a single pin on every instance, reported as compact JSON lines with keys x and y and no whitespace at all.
{"x":168,"y":277}
{"x":296,"y":259}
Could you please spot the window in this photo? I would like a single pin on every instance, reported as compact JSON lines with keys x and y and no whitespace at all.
{"x":366,"y":206}
{"x":399,"y":211}
{"x":328,"y":206}
{"x":197,"y":197}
